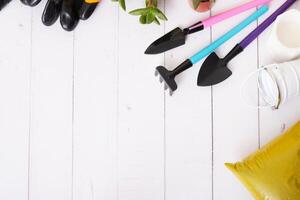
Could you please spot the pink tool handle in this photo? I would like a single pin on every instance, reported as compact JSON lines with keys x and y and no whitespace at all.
{"x":230,"y":13}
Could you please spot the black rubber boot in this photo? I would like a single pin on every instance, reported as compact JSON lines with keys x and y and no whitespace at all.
{"x":3,"y":3}
{"x":86,"y":10}
{"x":31,"y":2}
{"x":51,"y":12}
{"x":69,"y":15}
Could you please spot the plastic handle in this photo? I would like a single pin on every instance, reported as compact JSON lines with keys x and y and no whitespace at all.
{"x":232,"y":12}
{"x":209,"y":49}
{"x":263,"y":26}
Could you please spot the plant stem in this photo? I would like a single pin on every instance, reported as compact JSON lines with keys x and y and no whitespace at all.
{"x":149,"y":3}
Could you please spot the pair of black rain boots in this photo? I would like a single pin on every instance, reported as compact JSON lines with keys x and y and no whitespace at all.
{"x":69,"y":11}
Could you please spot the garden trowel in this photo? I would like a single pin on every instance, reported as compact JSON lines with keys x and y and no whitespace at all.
{"x":214,"y":69}
{"x":177,"y":37}
{"x":168,"y":76}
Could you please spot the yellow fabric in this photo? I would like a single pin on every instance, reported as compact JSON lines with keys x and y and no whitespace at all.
{"x":273,"y":172}
{"x":92,"y":1}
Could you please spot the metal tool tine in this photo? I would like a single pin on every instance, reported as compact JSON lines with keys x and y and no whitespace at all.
{"x":161,"y":79}
{"x":165,"y":86}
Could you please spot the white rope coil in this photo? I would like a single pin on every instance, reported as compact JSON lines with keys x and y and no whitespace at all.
{"x":277,"y":84}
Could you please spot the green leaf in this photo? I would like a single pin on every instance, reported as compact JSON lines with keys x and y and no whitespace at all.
{"x":196,"y":3}
{"x":149,"y":14}
{"x":143,"y":19}
{"x":151,"y":3}
{"x":150,"y":18}
{"x":140,"y":11}
{"x":159,"y":14}
{"x":156,"y":21}
{"x":122,"y":4}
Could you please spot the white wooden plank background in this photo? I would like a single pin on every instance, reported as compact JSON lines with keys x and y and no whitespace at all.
{"x":83,"y":117}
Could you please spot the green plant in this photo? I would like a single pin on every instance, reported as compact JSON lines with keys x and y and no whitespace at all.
{"x":150,"y":14}
{"x":197,"y":3}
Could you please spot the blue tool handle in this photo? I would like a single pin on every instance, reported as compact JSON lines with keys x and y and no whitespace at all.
{"x":213,"y":46}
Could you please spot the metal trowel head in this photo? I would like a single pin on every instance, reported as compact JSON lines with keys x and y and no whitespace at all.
{"x":213,"y":71}
{"x":174,"y":38}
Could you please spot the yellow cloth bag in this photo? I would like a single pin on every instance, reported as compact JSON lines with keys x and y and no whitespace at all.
{"x":273,"y":172}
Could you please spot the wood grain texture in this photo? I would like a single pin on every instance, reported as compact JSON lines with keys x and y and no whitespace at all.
{"x":95,"y":105}
{"x":51,"y":118}
{"x":188,"y":116}
{"x":140,"y":112}
{"x":83,"y":117}
{"x":235,"y":124}
{"x":14,"y":102}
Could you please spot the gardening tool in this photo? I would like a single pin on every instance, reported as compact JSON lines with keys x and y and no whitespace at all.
{"x":177,"y":37}
{"x":3,"y":3}
{"x":214,"y":69}
{"x":169,"y":76}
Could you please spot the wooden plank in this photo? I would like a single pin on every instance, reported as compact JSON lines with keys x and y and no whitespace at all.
{"x":188,"y":116}
{"x":95,"y":105}
{"x":274,"y":122}
{"x":235,"y":124}
{"x":141,"y":112}
{"x":14,"y":101}
{"x":51,"y":122}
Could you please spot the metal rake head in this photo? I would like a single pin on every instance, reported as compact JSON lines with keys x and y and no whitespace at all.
{"x":166,"y":77}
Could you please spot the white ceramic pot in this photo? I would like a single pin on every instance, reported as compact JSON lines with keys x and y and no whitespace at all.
{"x":284,"y":41}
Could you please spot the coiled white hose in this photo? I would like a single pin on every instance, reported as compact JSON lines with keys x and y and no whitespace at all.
{"x":277,"y":84}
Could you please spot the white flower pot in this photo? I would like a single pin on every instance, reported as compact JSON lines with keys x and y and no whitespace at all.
{"x":284,"y":41}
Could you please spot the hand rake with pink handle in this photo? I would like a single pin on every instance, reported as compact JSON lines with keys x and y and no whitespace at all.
{"x":177,"y":36}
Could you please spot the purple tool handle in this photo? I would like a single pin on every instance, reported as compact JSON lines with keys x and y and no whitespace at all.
{"x":263,"y":26}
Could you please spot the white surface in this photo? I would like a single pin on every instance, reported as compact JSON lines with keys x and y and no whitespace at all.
{"x":83,"y":117}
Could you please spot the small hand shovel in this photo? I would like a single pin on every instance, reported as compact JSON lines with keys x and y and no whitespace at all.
{"x":214,"y":69}
{"x":169,"y":76}
{"x":177,"y":37}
